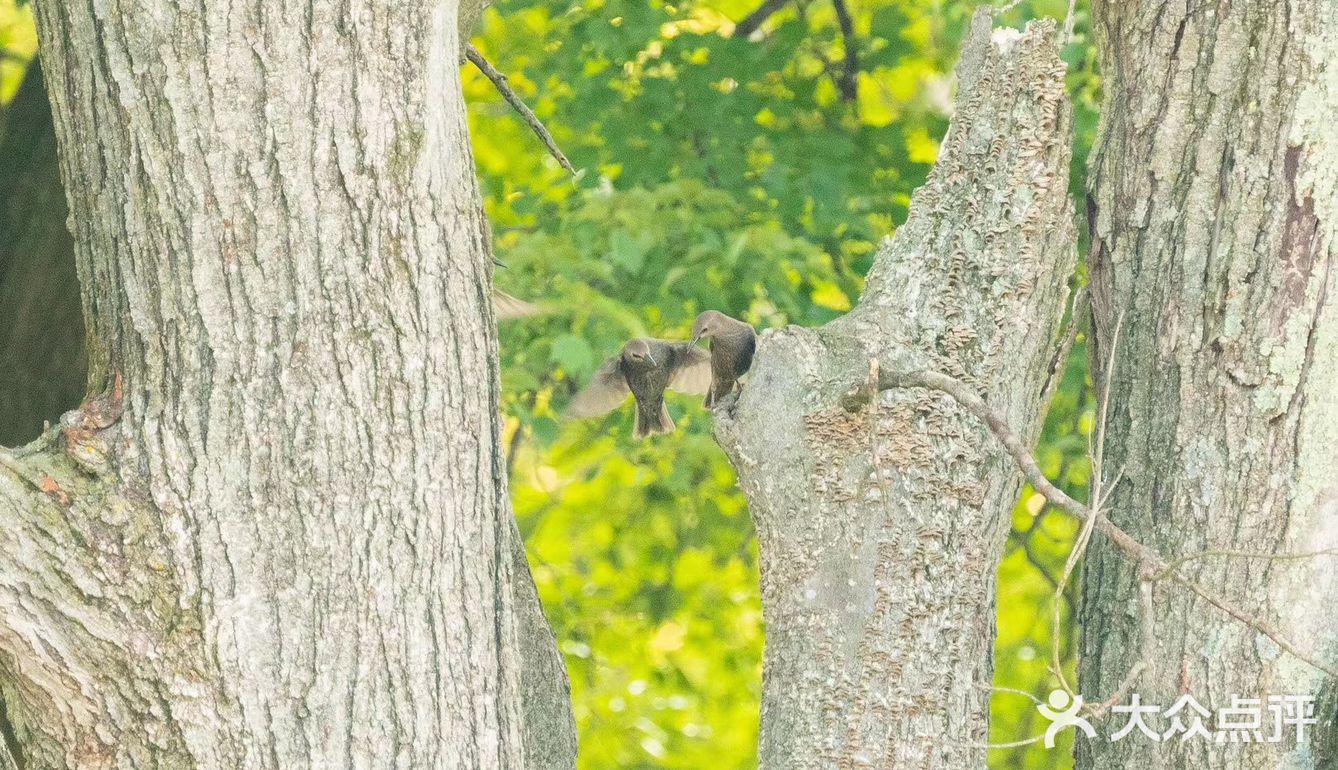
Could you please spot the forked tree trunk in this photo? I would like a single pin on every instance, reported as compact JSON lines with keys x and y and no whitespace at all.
{"x":881,"y":521}
{"x":278,"y":536}
{"x":1214,"y":210}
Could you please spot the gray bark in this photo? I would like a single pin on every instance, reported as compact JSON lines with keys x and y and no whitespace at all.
{"x":279,"y":536}
{"x":881,"y":521}
{"x":1214,"y":210}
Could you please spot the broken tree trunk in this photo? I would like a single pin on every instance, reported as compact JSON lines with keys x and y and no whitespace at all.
{"x":882,"y":518}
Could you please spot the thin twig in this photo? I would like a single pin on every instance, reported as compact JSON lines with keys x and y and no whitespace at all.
{"x":1009,"y":745}
{"x":1060,"y":360}
{"x":1069,"y":19}
{"x":1148,"y":560}
{"x":519,"y":105}
{"x":754,"y":21}
{"x":1079,"y":548}
{"x":1096,"y":495}
{"x":1012,"y":690}
{"x":1177,"y":563}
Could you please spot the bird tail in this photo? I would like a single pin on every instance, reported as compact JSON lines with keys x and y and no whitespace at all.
{"x":719,"y":389}
{"x":648,"y":425}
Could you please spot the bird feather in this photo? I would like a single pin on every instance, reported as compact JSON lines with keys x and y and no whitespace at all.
{"x":692,"y":375}
{"x":606,"y":391}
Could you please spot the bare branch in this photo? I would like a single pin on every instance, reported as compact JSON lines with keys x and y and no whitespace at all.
{"x":1011,"y":690}
{"x":1078,"y":308}
{"x":754,"y":21}
{"x":848,"y":81}
{"x":976,"y":405}
{"x":1177,"y":563}
{"x":1010,"y":744}
{"x":519,"y":105}
{"x":1096,"y":495}
{"x":1069,"y":19}
{"x":1149,"y":562}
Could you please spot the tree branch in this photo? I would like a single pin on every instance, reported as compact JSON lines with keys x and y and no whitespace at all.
{"x":519,"y":105}
{"x":1151,"y":564}
{"x":848,"y":82}
{"x":1078,"y":308}
{"x":972,"y":284}
{"x":754,"y":21}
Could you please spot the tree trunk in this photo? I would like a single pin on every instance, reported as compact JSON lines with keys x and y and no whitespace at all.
{"x":881,"y":519}
{"x":279,"y":536}
{"x":1214,"y":211}
{"x":42,"y":370}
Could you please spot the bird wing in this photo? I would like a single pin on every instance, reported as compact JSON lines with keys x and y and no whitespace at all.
{"x":508,"y":307}
{"x":607,"y":389}
{"x":692,"y":371}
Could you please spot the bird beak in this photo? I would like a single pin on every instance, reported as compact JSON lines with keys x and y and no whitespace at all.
{"x":696,"y":337}
{"x":498,"y":262}
{"x":653,"y":362}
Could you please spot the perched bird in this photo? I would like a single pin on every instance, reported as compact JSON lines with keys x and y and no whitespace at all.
{"x":645,"y":368}
{"x":732,"y":346}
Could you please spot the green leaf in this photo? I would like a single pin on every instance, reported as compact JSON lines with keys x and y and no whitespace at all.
{"x":573,"y":354}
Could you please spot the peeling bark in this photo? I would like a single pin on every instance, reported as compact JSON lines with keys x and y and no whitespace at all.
{"x":1214,"y":210}
{"x":280,"y":536}
{"x":881,"y":520}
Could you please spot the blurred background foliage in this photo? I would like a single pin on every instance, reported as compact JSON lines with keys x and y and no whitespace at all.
{"x":751,"y":174}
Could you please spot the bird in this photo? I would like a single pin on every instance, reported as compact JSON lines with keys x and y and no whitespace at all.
{"x":507,"y":307}
{"x":732,"y":345}
{"x":645,"y":368}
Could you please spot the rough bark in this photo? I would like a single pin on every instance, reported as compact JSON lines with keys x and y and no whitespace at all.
{"x":1214,"y":212}
{"x":279,"y":537}
{"x":881,"y":520}
{"x":42,"y":370}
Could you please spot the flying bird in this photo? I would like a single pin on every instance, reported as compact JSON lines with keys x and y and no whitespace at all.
{"x":645,"y":368}
{"x":732,"y":345}
{"x":507,"y":307}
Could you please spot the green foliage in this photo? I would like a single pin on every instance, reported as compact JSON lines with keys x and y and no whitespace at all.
{"x":18,"y":43}
{"x":716,"y":173}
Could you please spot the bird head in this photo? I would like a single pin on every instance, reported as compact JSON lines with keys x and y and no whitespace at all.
{"x":707,"y":323}
{"x":638,"y":351}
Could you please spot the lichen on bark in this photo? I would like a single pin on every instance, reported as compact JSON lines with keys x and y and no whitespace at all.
{"x":881,"y":520}
{"x":1213,"y":198}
